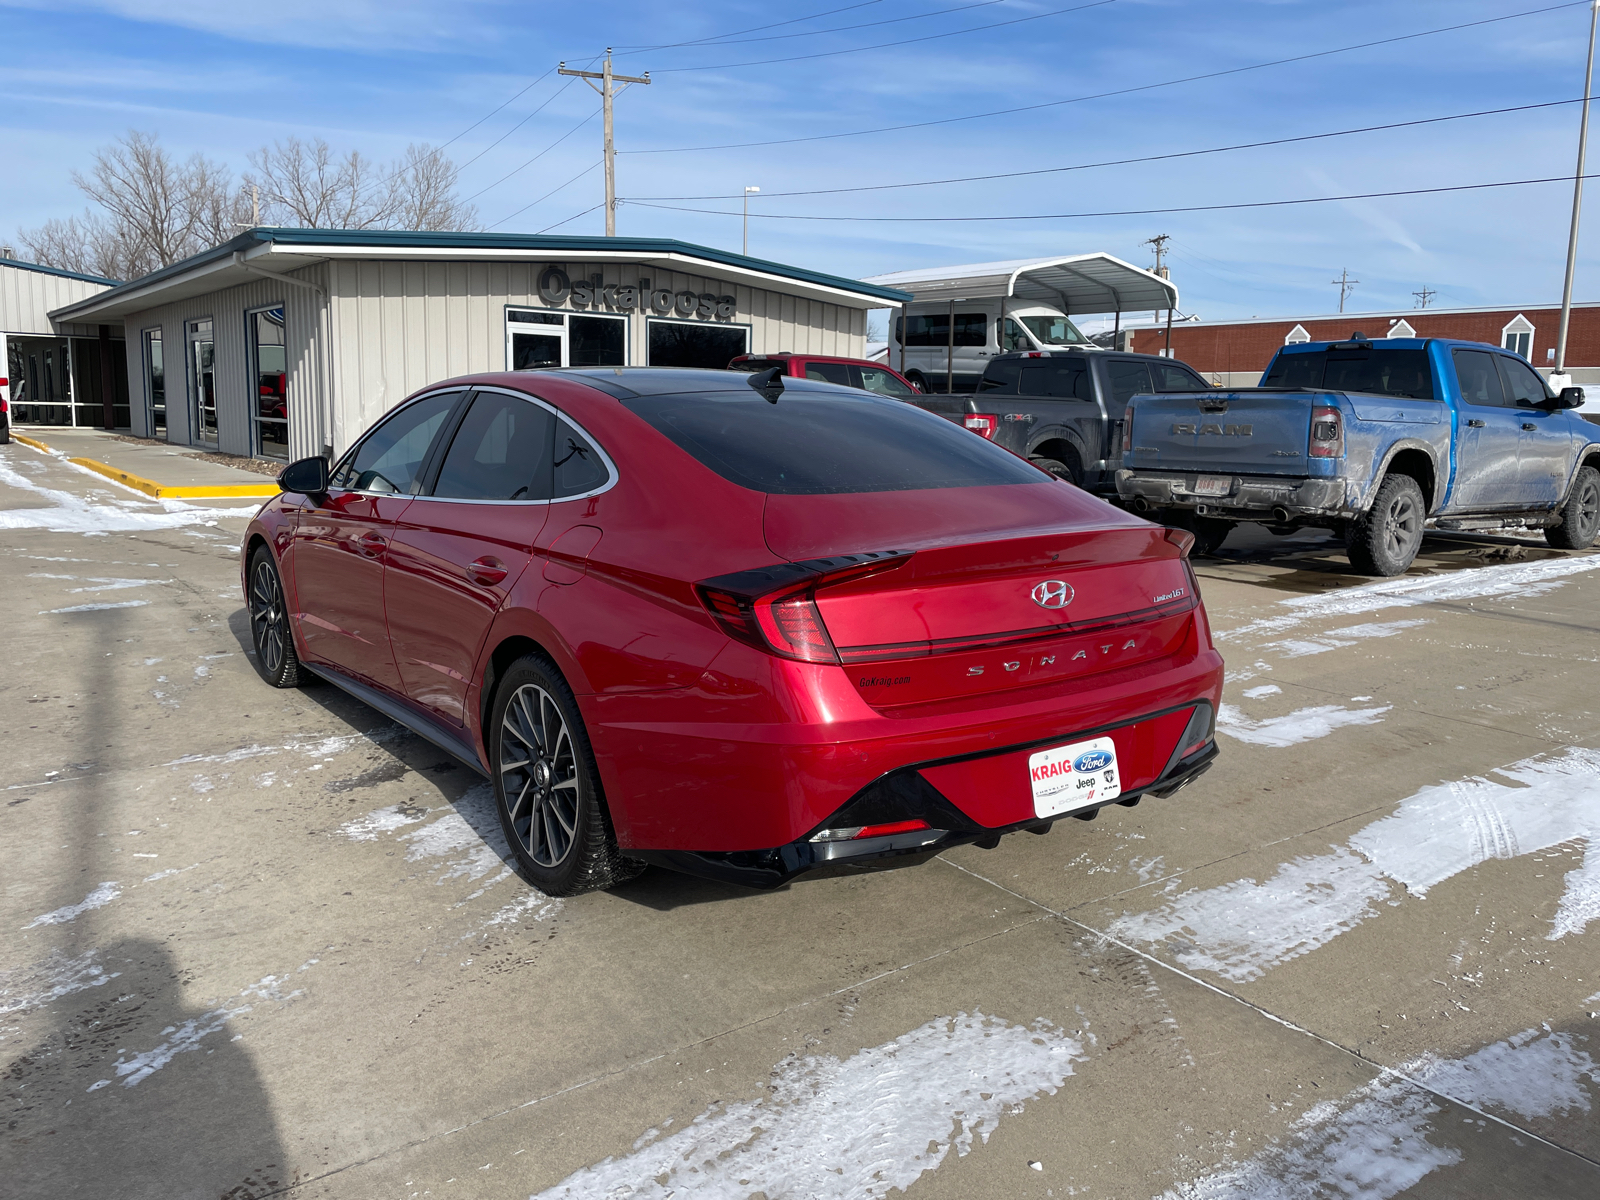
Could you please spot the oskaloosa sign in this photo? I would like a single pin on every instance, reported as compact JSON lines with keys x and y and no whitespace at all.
{"x":556,"y":288}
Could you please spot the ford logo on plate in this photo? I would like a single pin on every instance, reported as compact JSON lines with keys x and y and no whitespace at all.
{"x":1094,"y":760}
{"x":1052,"y":593}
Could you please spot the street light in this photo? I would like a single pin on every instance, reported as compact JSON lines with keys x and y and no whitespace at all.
{"x":747,"y":192}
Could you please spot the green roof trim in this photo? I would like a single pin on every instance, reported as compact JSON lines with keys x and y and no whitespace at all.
{"x":44,"y":270}
{"x":555,"y":246}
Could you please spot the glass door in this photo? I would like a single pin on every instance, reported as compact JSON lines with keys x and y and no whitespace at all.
{"x":155,"y":384}
{"x":535,"y":339}
{"x":203,"y":381}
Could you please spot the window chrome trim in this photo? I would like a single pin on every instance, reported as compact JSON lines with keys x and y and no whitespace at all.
{"x":388,"y":416}
{"x":612,"y":474}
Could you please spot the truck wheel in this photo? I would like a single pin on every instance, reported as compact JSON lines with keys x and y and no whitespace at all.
{"x":1580,"y":515}
{"x":915,"y":379}
{"x":1209,"y":534}
{"x":1061,"y":470}
{"x":1385,"y":539}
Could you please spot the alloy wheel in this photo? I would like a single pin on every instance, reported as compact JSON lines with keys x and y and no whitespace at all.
{"x":1402,"y":526}
{"x":1588,"y":508}
{"x":539,"y":774}
{"x":268,"y":622}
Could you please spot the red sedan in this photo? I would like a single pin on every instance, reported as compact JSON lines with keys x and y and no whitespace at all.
{"x":746,"y":627}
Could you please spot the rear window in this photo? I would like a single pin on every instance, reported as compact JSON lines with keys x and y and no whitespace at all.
{"x":828,"y":443}
{"x":1374,"y":370}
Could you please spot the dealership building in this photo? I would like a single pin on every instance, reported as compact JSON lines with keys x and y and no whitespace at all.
{"x":290,"y":342}
{"x":63,"y":372}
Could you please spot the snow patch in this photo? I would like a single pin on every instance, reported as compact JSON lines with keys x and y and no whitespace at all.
{"x":1242,"y":929}
{"x":535,"y":905}
{"x":455,"y":838}
{"x":379,"y":820}
{"x":99,"y":898}
{"x":57,"y":976}
{"x":69,"y":513}
{"x":1302,"y":725}
{"x":1260,"y":693}
{"x":92,"y":607}
{"x":832,"y":1130}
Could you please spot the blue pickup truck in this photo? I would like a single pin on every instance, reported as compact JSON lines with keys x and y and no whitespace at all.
{"x":1376,"y":440}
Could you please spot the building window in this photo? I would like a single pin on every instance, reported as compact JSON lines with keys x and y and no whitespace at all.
{"x":155,"y":386}
{"x":202,"y":383}
{"x":1297,"y":335}
{"x":1402,"y":329}
{"x":269,"y":368}
{"x":1517,"y":336}
{"x":558,"y":339}
{"x":696,"y":344}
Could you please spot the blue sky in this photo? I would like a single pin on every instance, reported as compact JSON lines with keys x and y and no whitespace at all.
{"x":226,"y":78}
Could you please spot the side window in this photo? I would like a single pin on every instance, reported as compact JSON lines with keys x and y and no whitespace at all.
{"x":1523,"y":387}
{"x":1001,"y":376}
{"x":1056,"y":378}
{"x":972,"y":329}
{"x":1171,"y":378}
{"x":885,"y":383}
{"x":501,"y":452}
{"x":1013,"y":338}
{"x":1480,"y":381}
{"x":1128,"y":378}
{"x":578,"y":466}
{"x":390,"y":458}
{"x":828,"y":372}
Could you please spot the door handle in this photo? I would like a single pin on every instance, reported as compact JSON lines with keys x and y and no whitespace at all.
{"x":372,"y":543}
{"x":1474,"y":423}
{"x":1529,"y":426}
{"x":487,"y":571}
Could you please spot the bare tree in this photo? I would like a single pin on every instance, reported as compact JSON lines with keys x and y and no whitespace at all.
{"x":422,"y":192}
{"x":304,"y":184}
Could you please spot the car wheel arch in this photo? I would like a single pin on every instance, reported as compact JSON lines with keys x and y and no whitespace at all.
{"x":1415,"y":459}
{"x":1058,"y":443}
{"x":504,"y":646}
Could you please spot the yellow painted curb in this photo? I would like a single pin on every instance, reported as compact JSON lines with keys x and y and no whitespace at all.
{"x":216,"y":491}
{"x":28,"y":441}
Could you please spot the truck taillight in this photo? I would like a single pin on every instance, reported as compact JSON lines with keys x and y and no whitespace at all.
{"x":982,"y":424}
{"x":1327,"y":434}
{"x":1127,"y":430}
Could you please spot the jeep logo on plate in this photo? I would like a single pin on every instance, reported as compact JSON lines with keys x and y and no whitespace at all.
{"x":1052,"y":593}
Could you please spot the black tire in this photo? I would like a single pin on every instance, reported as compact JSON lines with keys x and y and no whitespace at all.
{"x":551,"y":807}
{"x":915,"y":379}
{"x":1068,"y":470}
{"x":269,"y":624}
{"x":1580,"y":514}
{"x":1385,"y":539}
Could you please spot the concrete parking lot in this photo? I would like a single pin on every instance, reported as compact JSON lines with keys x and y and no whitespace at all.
{"x":261,"y":942}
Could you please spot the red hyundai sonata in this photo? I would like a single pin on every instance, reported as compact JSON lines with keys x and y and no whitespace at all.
{"x":745,"y":627}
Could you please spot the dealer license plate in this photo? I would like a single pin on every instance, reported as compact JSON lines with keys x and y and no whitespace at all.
{"x":1213,"y":485}
{"x":1068,"y":778}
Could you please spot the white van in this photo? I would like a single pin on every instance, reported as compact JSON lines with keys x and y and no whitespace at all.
{"x":935,"y":365}
{"x":1021,"y":304}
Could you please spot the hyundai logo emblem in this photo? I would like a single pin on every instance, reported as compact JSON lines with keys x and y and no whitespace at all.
{"x":1052,"y":593}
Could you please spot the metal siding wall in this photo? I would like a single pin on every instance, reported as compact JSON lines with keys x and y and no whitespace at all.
{"x":235,"y":387}
{"x":27,"y":297}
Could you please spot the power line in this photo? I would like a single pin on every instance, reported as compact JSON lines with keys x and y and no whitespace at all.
{"x":573,"y":217}
{"x":536,"y":157}
{"x":553,"y":97}
{"x":780,"y":37}
{"x":1129,"y":212}
{"x":932,"y":37}
{"x":547,"y":196}
{"x":1148,"y":158}
{"x":1003,"y":112}
{"x":714,"y":37}
{"x":492,"y":111}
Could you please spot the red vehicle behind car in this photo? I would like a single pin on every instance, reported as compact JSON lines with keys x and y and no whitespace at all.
{"x":745,"y":633}
{"x":860,"y":373}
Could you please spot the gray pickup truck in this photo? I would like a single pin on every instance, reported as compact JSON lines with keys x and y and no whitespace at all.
{"x":1377,"y":440}
{"x":1063,"y":409}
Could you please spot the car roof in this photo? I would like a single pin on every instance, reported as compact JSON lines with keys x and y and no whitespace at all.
{"x":1097,"y":351}
{"x":788,"y":354}
{"x":625,"y":382}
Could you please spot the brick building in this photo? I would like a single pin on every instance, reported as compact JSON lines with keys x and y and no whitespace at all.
{"x":1234,"y":353}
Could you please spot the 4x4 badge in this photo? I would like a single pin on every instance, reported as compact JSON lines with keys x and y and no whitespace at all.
{"x":1052,"y":593}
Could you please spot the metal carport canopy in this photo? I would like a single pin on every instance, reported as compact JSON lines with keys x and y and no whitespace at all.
{"x":1077,"y":283}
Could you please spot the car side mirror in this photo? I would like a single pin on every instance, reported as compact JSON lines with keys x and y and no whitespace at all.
{"x":308,"y":477}
{"x":1570,"y":397}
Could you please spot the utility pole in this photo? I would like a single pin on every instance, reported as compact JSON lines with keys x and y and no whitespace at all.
{"x":1159,"y":242}
{"x":1425,"y":295}
{"x":1577,"y":201}
{"x":747,"y":192}
{"x":608,"y":91}
{"x":1345,"y":284}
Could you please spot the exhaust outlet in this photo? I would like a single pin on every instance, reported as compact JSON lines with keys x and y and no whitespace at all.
{"x":1280,"y":514}
{"x":1140,"y":504}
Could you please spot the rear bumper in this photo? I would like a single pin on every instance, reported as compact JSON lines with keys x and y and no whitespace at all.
{"x":908,"y":795}
{"x":1249,"y":497}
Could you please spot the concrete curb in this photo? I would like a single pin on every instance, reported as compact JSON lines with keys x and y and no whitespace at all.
{"x":156,"y":490}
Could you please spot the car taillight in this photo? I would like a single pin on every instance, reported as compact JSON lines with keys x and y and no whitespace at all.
{"x":982,"y":424}
{"x":775,"y":608}
{"x":1181,"y":538}
{"x":1327,"y":434}
{"x":1127,"y":430}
